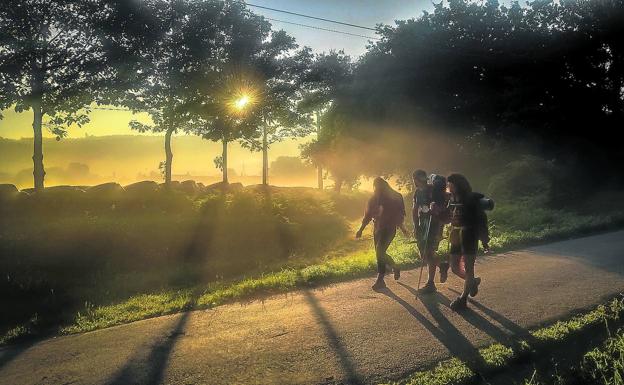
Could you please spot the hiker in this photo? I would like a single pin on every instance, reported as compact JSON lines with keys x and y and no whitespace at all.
{"x":387,"y":210}
{"x":466,"y":216}
{"x":428,"y":225}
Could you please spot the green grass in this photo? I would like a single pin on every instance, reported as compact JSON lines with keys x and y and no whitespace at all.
{"x":336,"y":269}
{"x":605,"y":364}
{"x":151,"y":305}
{"x":512,"y":226}
{"x":497,"y":356}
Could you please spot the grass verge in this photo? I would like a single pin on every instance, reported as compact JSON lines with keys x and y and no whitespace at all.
{"x":334,"y":269}
{"x":538,"y":343}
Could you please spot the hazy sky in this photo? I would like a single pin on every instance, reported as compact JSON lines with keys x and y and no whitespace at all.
{"x":360,"y":12}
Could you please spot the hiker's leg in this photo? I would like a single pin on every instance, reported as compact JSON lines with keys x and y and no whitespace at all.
{"x":455,"y":253}
{"x":469,"y":261}
{"x":387,"y":235}
{"x":431,"y":265}
{"x":456,"y":266}
{"x":470,"y":244}
{"x":379,"y":253}
{"x":381,"y":263}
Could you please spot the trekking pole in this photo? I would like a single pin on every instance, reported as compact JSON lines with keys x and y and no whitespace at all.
{"x":425,"y":251}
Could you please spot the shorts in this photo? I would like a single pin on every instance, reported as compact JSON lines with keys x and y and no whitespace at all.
{"x":463,"y":240}
{"x":435,"y":235}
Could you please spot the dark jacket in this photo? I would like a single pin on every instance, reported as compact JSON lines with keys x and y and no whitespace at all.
{"x":469,"y":213}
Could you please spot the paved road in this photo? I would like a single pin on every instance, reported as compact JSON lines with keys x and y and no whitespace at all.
{"x":344,"y":333}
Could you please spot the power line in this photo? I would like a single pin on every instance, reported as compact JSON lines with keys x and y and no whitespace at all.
{"x":322,"y":29}
{"x":310,"y":17}
{"x":108,"y":108}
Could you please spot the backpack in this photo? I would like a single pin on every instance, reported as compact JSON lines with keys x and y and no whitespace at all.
{"x":438,"y":191}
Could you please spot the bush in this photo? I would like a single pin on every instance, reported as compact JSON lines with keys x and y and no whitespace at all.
{"x":530,"y":178}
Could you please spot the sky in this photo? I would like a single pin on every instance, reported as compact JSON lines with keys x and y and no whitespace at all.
{"x":361,"y":12}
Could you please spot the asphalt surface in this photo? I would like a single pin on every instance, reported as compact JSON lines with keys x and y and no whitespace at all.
{"x":344,"y":333}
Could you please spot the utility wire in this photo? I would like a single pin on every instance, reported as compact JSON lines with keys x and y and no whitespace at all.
{"x":310,"y":17}
{"x":322,"y":29}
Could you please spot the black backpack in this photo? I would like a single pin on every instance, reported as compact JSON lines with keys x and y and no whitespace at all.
{"x":438,"y":192}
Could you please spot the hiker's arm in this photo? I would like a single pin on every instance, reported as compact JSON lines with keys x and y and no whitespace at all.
{"x":402,"y":223}
{"x":484,"y":231}
{"x":368,"y":216}
{"x":415,"y":216}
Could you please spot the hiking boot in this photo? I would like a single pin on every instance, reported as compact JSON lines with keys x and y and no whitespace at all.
{"x":429,"y":288}
{"x":379,"y":285}
{"x":459,"y":304}
{"x":474,"y":290}
{"x":444,"y":268}
{"x":397,"y":273}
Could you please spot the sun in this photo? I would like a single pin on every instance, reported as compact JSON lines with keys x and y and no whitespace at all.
{"x":242,"y":102}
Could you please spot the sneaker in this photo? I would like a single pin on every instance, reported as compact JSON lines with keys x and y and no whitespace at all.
{"x":444,"y":268}
{"x":397,"y":273}
{"x":475,"y":287}
{"x":429,"y":288}
{"x":459,"y":304}
{"x":379,"y":285}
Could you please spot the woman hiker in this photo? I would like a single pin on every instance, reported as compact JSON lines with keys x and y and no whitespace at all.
{"x":465,"y":213}
{"x":387,"y":210}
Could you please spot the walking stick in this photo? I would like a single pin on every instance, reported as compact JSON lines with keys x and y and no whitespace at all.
{"x":427,"y":228}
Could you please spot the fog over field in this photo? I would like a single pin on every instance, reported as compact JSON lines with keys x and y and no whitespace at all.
{"x":129,"y":158}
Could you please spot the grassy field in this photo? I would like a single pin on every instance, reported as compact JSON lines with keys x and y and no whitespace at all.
{"x":73,"y":267}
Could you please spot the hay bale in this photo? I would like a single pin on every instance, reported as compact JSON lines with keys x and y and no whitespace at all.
{"x":189,"y":187}
{"x":221,"y":186}
{"x":143,"y":188}
{"x":105,"y":194}
{"x":8,"y":191}
{"x":62,"y":197}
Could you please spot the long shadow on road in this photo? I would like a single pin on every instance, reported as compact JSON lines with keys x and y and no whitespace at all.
{"x":346,"y":361}
{"x":452,"y":339}
{"x":149,"y":367}
{"x":151,"y":370}
{"x":475,"y":319}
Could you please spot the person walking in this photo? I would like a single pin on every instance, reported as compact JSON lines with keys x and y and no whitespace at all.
{"x":387,"y":211}
{"x":428,"y":225}
{"x":465,"y":214}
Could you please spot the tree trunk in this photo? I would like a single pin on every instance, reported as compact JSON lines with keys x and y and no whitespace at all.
{"x":265,"y":156}
{"x":168,"y":157}
{"x":319,"y":175}
{"x":224,"y":156}
{"x":38,"y":170}
{"x":338,"y":185}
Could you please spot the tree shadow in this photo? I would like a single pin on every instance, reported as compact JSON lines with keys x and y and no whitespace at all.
{"x":346,"y":361}
{"x":150,"y":368}
{"x":11,"y":352}
{"x":445,"y":332}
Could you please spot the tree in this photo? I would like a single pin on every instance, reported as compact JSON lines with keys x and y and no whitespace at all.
{"x":326,"y":80}
{"x":291,"y":167}
{"x":174,"y":61}
{"x":230,"y":99}
{"x":549,"y":74}
{"x":277,"y":107}
{"x":56,"y":58}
